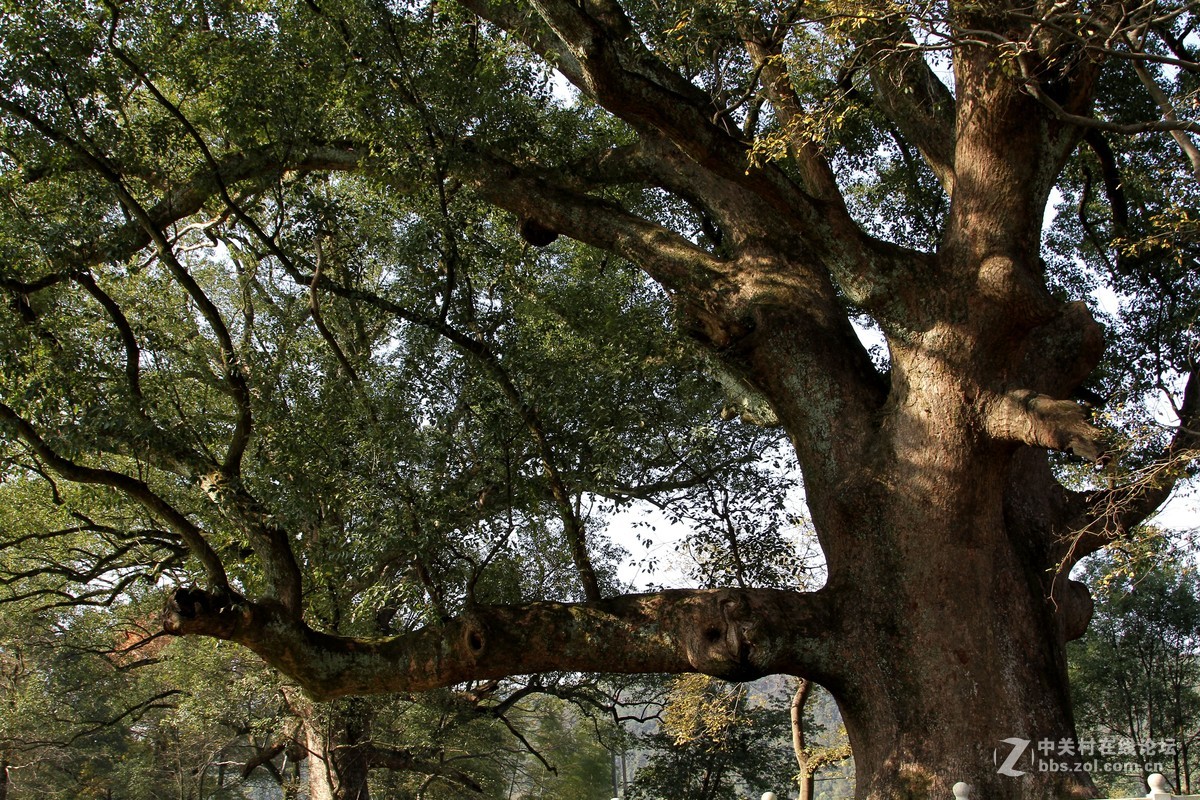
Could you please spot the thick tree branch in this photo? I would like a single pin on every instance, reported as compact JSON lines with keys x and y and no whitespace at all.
{"x":264,"y":756}
{"x":733,"y":634}
{"x":531,"y":29}
{"x":1114,"y":184}
{"x":259,"y":167}
{"x":663,"y":254}
{"x":1038,"y":420}
{"x":1059,"y":355}
{"x":799,"y":745}
{"x":620,"y":73}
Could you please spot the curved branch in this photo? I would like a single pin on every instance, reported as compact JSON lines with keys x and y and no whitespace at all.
{"x":1114,"y":184}
{"x":663,"y":254}
{"x":636,"y":86}
{"x":96,"y":726}
{"x":913,"y":97}
{"x":631,"y":82}
{"x":128,"y":339}
{"x":1111,"y":514}
{"x":131,"y":487}
{"x":235,"y":375}
{"x":733,"y":634}
{"x":263,"y":757}
{"x":223,"y":486}
{"x":262,"y":166}
{"x":529,"y":748}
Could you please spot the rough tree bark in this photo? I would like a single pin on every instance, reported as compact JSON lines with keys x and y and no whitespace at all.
{"x":337,"y":738}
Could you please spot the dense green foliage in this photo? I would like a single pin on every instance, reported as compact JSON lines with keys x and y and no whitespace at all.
{"x":1136,"y":673}
{"x":717,"y":742}
{"x":403,"y":412}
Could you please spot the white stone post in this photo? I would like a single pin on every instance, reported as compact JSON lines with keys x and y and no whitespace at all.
{"x":962,"y":791}
{"x":1158,"y":787}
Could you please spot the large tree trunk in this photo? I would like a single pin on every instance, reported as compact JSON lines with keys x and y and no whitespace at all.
{"x":962,"y":653}
{"x":944,"y":540}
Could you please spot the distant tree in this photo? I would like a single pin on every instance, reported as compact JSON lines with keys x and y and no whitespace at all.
{"x":812,"y":757}
{"x":89,"y":708}
{"x":1136,"y":673}
{"x":715,"y":743}
{"x":567,"y":758}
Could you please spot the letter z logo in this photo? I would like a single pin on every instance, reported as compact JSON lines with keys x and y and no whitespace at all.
{"x":1019,"y":746}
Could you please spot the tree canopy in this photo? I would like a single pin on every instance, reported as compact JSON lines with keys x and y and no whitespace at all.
{"x":348,"y":323}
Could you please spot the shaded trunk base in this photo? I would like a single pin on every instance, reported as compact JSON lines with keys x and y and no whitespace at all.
{"x":963,"y":692}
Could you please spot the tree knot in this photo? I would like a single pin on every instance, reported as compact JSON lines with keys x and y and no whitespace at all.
{"x":723,"y":639}
{"x":474,"y":637}
{"x":192,"y":611}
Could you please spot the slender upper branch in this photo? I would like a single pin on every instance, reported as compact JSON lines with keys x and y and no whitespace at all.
{"x":1170,"y":125}
{"x":767,"y":55}
{"x":914,"y":98}
{"x":130,"y":486}
{"x":1169,"y":114}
